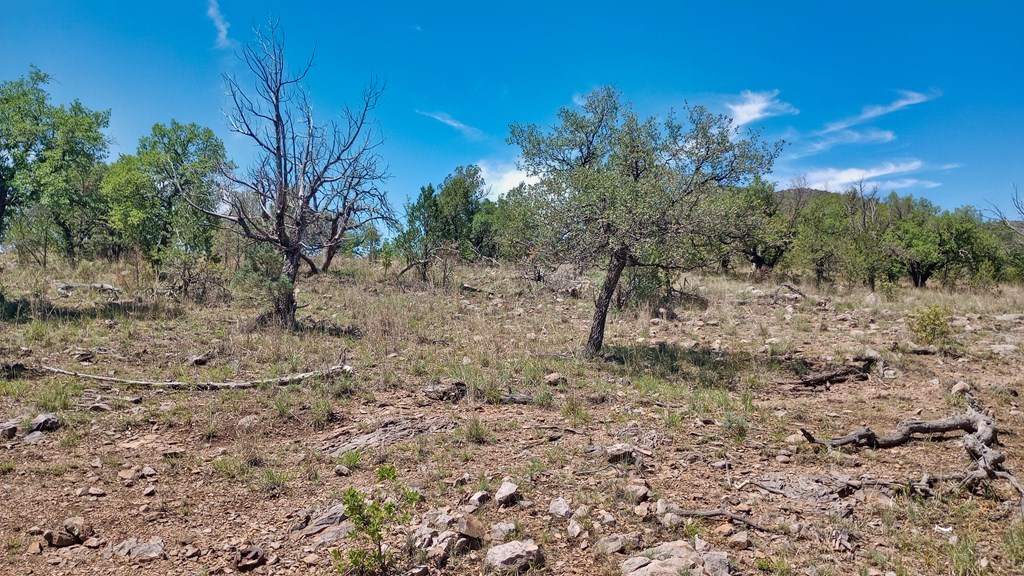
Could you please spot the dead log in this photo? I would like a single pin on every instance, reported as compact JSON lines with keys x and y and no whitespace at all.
{"x":857,"y":373}
{"x":980,"y":434}
{"x":389,"y":432}
{"x":175,"y":385}
{"x":67,"y":288}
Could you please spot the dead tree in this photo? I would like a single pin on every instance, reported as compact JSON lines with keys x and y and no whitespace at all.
{"x":312,"y":183}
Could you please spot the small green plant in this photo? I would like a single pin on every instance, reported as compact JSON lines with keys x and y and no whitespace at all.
{"x":930,"y":325}
{"x":272,"y":481}
{"x":372,"y":521}
{"x":774,"y":566}
{"x":387,"y":473}
{"x":735,"y":425}
{"x":283,"y":404}
{"x":351,"y":459}
{"x":575,"y":411}
{"x":321,"y":413}
{"x":963,"y":556}
{"x":6,"y":467}
{"x":477,"y":432}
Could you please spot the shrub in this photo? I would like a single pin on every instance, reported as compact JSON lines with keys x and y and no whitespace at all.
{"x":930,"y":325}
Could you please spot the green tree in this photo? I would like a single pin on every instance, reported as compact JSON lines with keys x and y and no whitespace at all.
{"x":822,"y":236}
{"x":631,"y":192}
{"x":24,"y":135}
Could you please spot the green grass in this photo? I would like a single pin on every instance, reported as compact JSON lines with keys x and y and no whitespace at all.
{"x":575,"y":410}
{"x":477,"y":432}
{"x":272,"y":481}
{"x":351,"y":459}
{"x":57,"y":397}
{"x":6,"y":468}
{"x":1013,"y":543}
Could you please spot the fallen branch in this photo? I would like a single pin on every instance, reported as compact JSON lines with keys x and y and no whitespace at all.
{"x":980,"y":435}
{"x":775,"y":298}
{"x":176,"y":385}
{"x":67,"y":288}
{"x":722,"y":512}
{"x":857,"y":373}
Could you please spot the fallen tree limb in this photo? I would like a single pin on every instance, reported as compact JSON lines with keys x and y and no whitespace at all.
{"x":775,"y":298}
{"x":722,"y":512}
{"x":67,"y":288}
{"x":980,"y":434}
{"x":834,"y":377}
{"x":176,"y":385}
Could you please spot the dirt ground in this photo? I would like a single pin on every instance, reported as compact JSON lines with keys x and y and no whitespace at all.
{"x":706,"y":395}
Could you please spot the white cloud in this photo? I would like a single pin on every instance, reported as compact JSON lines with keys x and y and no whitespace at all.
{"x":502,"y":177}
{"x":826,"y":142}
{"x":222,"y":25}
{"x":579,"y":99}
{"x":754,"y":106}
{"x":887,"y":185}
{"x":840,"y":178}
{"x":417,"y":28}
{"x":907,"y":98}
{"x":445,"y":118}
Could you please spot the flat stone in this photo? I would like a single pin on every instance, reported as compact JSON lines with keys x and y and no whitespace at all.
{"x":507,"y":494}
{"x":147,"y":471}
{"x":620,"y":453}
{"x":638,"y":493}
{"x":33,"y":437}
{"x":560,"y":508}
{"x":960,"y":388}
{"x":740,"y":540}
{"x":515,"y":556}
{"x":77,"y":527}
{"x":501,"y":530}
{"x":99,"y":407}
{"x":574,"y":529}
{"x":340,"y":470}
{"x":479,"y":498}
{"x":45,"y":423}
{"x":470,"y":527}
{"x":9,"y":429}
{"x":59,"y":539}
{"x":554,"y":379}
{"x":94,"y":542}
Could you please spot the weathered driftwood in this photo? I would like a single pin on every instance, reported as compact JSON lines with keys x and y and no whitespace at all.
{"x":389,"y":432}
{"x":980,"y":434}
{"x":67,"y":288}
{"x":176,"y":385}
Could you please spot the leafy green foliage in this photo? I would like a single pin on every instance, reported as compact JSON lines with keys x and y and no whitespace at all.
{"x":373,"y":520}
{"x":931,"y":325}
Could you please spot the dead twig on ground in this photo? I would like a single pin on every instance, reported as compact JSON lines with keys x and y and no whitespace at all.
{"x":176,"y":385}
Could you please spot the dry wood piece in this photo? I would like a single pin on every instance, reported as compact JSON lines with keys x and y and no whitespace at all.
{"x":980,"y":433}
{"x":834,"y":377}
{"x":389,"y":432}
{"x":175,"y":385}
{"x":775,"y":298}
{"x":67,"y":288}
{"x":722,"y":512}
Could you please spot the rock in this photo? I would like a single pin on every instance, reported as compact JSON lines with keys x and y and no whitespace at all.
{"x":59,"y":539}
{"x":560,"y":508}
{"x":507,"y":494}
{"x":1004,"y":349}
{"x":470,"y":527}
{"x":871,"y":354}
{"x":724,"y":529}
{"x":249,"y":558}
{"x":340,"y":470}
{"x":147,"y":472}
{"x":554,"y":379}
{"x":616,"y":543}
{"x":606,"y":517}
{"x":94,"y":542}
{"x":149,"y":490}
{"x":1010,"y":317}
{"x":479,"y":498}
{"x":128,"y":473}
{"x":34,"y":548}
{"x":960,"y":388}
{"x":438,"y":555}
{"x":574,"y":529}
{"x":740,"y":540}
{"x":797,"y":438}
{"x":671,"y":520}
{"x":33,"y":437}
{"x":677,"y":557}
{"x":45,"y":423}
{"x":716,"y":563}
{"x":99,"y":407}
{"x":418,"y":571}
{"x":638,"y":493}
{"x":515,"y":556}
{"x":9,"y":429}
{"x":77,"y":527}
{"x":141,"y":551}
{"x":311,"y":560}
{"x":96,"y":463}
{"x":248,"y":421}
{"x":501,"y":530}
{"x":621,"y":453}
{"x":96,"y":491}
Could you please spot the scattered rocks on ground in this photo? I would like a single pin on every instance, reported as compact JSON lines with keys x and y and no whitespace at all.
{"x":470,"y":527}
{"x":139,"y":551}
{"x":501,"y":530}
{"x":679,"y":557}
{"x":621,"y":453}
{"x":515,"y":556}
{"x":616,"y":543}
{"x":479,"y":498}
{"x":740,"y":540}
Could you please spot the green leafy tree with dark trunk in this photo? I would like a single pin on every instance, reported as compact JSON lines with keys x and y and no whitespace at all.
{"x":822,"y":236}
{"x":632,"y":192}
{"x":24,"y":136}
{"x":308,"y":176}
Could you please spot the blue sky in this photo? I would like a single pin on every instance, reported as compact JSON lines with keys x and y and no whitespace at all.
{"x":922,"y":97}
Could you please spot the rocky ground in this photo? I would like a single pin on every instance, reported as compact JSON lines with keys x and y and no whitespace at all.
{"x":501,"y":448}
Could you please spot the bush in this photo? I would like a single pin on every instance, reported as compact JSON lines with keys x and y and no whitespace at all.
{"x":373,"y":520}
{"x":930,"y":325}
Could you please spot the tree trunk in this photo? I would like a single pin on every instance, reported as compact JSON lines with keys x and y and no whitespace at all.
{"x":604,"y":300}
{"x":332,"y":250}
{"x":284,"y":299}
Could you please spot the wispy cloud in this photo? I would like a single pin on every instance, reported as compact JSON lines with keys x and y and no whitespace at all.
{"x":840,"y":178}
{"x":502,"y":176}
{"x":754,"y":106}
{"x":907,"y":98}
{"x":826,"y":142}
{"x":213,"y":11}
{"x":887,"y":185}
{"x":416,"y":28}
{"x":445,"y":118}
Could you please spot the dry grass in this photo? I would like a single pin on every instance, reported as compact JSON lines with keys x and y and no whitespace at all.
{"x":693,"y":391}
